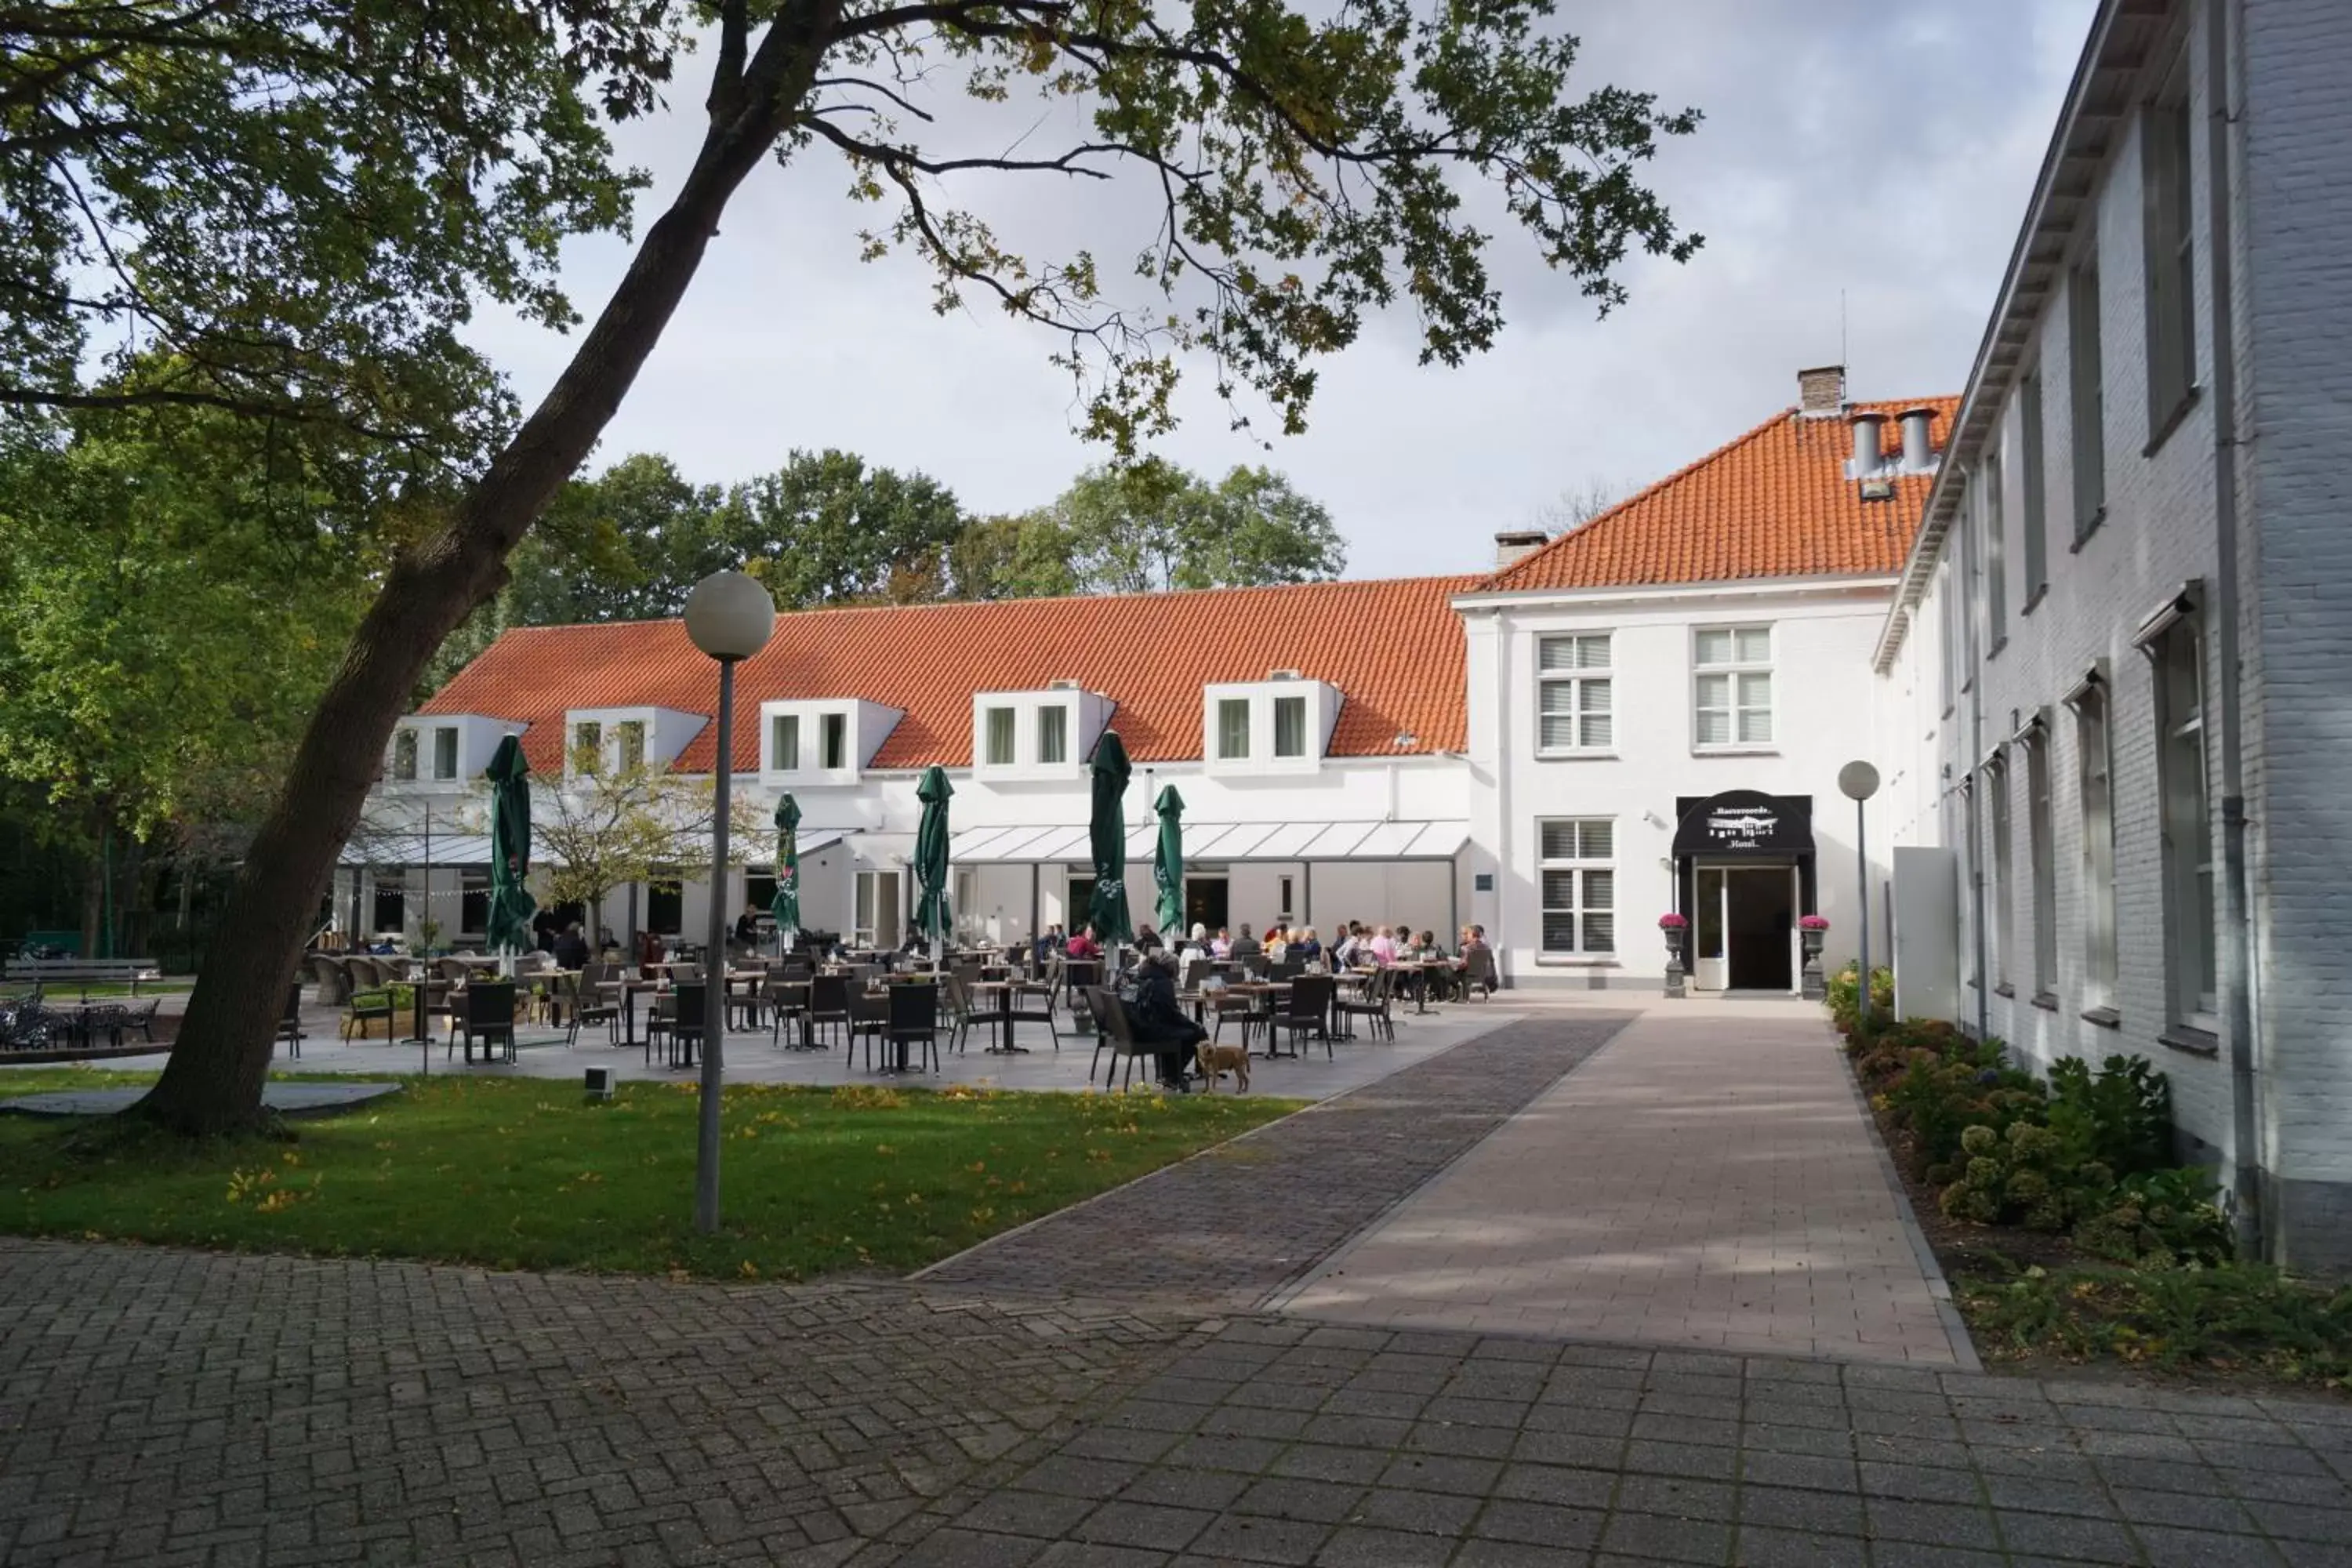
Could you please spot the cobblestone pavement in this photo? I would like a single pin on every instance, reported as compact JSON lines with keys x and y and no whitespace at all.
{"x":1229,"y":1229}
{"x":1709,"y":1180}
{"x":1283,"y":1442}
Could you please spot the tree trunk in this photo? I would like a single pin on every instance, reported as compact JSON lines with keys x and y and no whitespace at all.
{"x":212,"y":1081}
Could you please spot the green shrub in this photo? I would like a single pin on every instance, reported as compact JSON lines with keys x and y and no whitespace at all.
{"x":2228,"y":1316}
{"x":1939,"y":1098}
{"x":2158,"y":1218}
{"x":2121,"y":1116}
{"x":2026,"y":1174}
{"x":1840,"y":993}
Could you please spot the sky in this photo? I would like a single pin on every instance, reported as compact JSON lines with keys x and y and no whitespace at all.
{"x":1860,"y":178}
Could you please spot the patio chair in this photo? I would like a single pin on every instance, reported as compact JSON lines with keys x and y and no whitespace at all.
{"x":368,"y":1006}
{"x":1307,"y":1011}
{"x":289,"y":1022}
{"x":1114,"y":1033}
{"x":139,"y":1016}
{"x":869,"y":1018}
{"x":1079,"y":975}
{"x":583,"y":1003}
{"x":678,"y":1018}
{"x":1373,"y":1005}
{"x":485,"y":1012}
{"x":333,"y":977}
{"x":1220,"y":1001}
{"x":829,"y":1003}
{"x":1479,"y":980}
{"x":913,"y":1017}
{"x":742,"y":1008}
{"x":956,"y":1007}
{"x":785,"y":996}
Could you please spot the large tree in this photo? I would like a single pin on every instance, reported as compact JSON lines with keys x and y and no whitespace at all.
{"x":275,"y":185}
{"x":1151,"y":526}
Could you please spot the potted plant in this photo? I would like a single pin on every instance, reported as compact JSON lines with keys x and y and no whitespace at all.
{"x":1674,"y":927}
{"x":1812,"y":928}
{"x":428,"y":935}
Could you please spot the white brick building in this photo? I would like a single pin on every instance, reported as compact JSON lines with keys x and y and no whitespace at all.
{"x":2115,"y":673}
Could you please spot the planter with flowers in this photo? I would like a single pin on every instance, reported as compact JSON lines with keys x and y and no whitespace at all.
{"x":1675,"y":929}
{"x":1813,"y":929}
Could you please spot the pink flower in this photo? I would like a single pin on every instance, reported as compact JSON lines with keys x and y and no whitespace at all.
{"x":1814,"y":922}
{"x":1671,"y":922}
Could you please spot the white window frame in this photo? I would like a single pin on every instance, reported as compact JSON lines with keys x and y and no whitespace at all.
{"x":2041,"y":826}
{"x":1049,"y":716}
{"x":2094,"y":796}
{"x":2087,"y":397}
{"x":1580,"y":870}
{"x":999,"y":722}
{"x":1991,"y":518}
{"x":586,"y":755}
{"x":832,"y":743}
{"x":1225,"y":707}
{"x":783,"y":742}
{"x":1734,"y":672}
{"x":2192,"y":883}
{"x":2033,"y":456}
{"x":1587,"y":693}
{"x":1296,"y":703}
{"x":629,"y":738}
{"x":406,"y":752}
{"x":2000,"y":884}
{"x":447,"y":735}
{"x":2167,"y":138}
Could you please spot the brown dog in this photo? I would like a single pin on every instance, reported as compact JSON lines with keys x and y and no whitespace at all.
{"x":1216,"y":1059}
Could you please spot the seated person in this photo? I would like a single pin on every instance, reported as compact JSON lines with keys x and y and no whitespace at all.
{"x":1222,"y":946}
{"x":572,"y":948}
{"x":1084,"y":945}
{"x":1148,"y":941}
{"x":1157,"y":1020}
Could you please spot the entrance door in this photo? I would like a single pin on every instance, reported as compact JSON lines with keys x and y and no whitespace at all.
{"x":1709,"y":971}
{"x":1077,"y":902}
{"x":1205,"y":903}
{"x":876,"y":923}
{"x":1760,"y":910}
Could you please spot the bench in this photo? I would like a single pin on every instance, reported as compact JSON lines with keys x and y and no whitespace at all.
{"x":129,"y":972}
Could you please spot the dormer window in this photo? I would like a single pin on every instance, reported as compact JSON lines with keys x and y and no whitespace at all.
{"x":1054,"y":735}
{"x":632,"y":733}
{"x":822,"y":741}
{"x":1028,"y":737}
{"x":784,"y":743}
{"x":1279,"y":725}
{"x":998,"y":743}
{"x":588,"y":747}
{"x":404,"y":755}
{"x":626,"y":740}
{"x":445,"y":752}
{"x":834,"y":730}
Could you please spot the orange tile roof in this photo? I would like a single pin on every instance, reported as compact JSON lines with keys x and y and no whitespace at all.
{"x":1393,"y":648}
{"x":1773,"y":503}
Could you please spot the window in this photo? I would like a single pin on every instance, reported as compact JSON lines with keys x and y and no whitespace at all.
{"x":445,"y":752}
{"x":2037,"y":504}
{"x":2087,"y":434}
{"x":1288,"y":910}
{"x":1735,"y":687}
{"x":1233,"y":726}
{"x":2043,"y":847}
{"x":784,"y":743}
{"x":1948,"y":635}
{"x":832,"y":738}
{"x":2095,"y":783}
{"x":1572,"y":700}
{"x":1053,"y":734}
{"x":388,"y":909}
{"x":633,"y":743}
{"x":2000,"y":887}
{"x":999,"y":737}
{"x":2166,"y":235}
{"x":1290,"y":726}
{"x":473,"y":902}
{"x":666,"y":906}
{"x":404,"y":763}
{"x":1972,"y":827}
{"x":875,"y":911}
{"x":1996,"y":554}
{"x":2188,"y":834}
{"x":1580,"y":892}
{"x":965,"y":911}
{"x":587,"y":746}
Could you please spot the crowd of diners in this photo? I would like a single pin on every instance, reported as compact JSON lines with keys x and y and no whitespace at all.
{"x":1353,"y":946}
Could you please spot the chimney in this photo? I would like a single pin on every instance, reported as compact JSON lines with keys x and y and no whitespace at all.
{"x":1918,"y":456}
{"x":1820,"y":392}
{"x":1867,"y":453}
{"x":1510,"y":547}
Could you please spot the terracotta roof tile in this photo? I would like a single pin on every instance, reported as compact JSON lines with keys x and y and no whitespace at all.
{"x":1773,"y":503}
{"x":1393,"y":648}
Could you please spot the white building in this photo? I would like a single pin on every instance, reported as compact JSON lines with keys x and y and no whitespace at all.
{"x":2115,"y":673}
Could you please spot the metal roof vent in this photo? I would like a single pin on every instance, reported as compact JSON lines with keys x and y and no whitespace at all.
{"x":1282,"y":675}
{"x":1061,"y":686}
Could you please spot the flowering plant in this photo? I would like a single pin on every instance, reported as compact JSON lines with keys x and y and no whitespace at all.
{"x":1814,"y":922}
{"x":1671,"y":922}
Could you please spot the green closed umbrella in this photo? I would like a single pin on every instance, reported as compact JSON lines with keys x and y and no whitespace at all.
{"x":1168,"y":860}
{"x":1107,"y":831}
{"x":932,"y":915}
{"x":511,"y":905}
{"x":786,"y":905}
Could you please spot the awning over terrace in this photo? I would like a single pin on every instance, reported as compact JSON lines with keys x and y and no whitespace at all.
{"x":1211,"y":843}
{"x":474,"y":849}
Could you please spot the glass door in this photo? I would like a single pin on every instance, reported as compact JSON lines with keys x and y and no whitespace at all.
{"x":1709,"y":968}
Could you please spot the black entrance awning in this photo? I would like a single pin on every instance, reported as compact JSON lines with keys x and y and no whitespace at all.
{"x":1743,"y":822}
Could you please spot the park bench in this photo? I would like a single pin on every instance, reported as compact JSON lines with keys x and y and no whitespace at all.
{"x":85,"y":972}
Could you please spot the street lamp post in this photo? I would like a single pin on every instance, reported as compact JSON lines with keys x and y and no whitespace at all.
{"x":1858,"y":780}
{"x":729,"y":617}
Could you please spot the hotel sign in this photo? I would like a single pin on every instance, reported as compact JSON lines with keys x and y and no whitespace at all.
{"x":1744,"y":822}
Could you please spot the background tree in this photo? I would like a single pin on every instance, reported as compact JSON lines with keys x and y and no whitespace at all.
{"x":1024,"y":556}
{"x":609,"y":825}
{"x":1151,"y":526}
{"x":308,"y":196}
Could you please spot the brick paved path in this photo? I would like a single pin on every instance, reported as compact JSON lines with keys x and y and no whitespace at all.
{"x":1227,"y":1230}
{"x":1708,"y":1180}
{"x":1287,"y":1442}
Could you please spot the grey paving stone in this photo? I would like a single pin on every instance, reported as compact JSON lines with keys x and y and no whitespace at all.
{"x":2033,"y":1494}
{"x":1675,"y":1497}
{"x":1538,"y":1524}
{"x":1355,"y":1546}
{"x":1238,"y":1539}
{"x":1760,"y":1547}
{"x":1120,"y":1524}
{"x":1428,"y":1513}
{"x":1287,"y":1497}
{"x":2066,"y":1538}
{"x":1697,"y":1461}
{"x":1782,"y":1508}
{"x":1559,"y":1484}
{"x":1328,"y":1462}
{"x":1177,"y":1486}
{"x":1942,"y":1524}
{"x":2166,"y":1547}
{"x":1672,"y":1538}
{"x":1442,"y":1473}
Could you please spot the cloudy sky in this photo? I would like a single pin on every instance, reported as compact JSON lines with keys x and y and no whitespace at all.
{"x":1871,"y":153}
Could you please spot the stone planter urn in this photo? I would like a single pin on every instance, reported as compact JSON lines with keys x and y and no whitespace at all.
{"x":1675,"y":929}
{"x":1813,"y":930}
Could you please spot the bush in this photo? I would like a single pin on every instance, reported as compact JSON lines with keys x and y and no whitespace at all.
{"x":2121,"y":1116}
{"x":2158,"y":1218}
{"x":2228,"y":1316}
{"x":2026,"y":1172}
{"x":1939,"y":1098}
{"x":1840,"y":991}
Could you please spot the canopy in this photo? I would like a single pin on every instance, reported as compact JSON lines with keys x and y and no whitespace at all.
{"x":1744,"y":822}
{"x":1107,"y":841}
{"x":932,"y":915}
{"x":785,"y":907}
{"x":1168,"y":859}
{"x":1217,"y":842}
{"x":508,"y":928}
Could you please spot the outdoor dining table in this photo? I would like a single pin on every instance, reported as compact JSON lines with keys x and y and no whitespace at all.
{"x":1002,"y":1015}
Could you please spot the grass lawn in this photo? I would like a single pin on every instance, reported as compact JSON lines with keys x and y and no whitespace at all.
{"x":518,"y":1173}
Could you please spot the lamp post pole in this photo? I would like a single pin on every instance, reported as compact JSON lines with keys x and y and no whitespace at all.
{"x":1858,"y":780}
{"x":729,"y":617}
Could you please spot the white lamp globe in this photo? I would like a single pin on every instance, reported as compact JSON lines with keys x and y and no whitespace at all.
{"x":1858,"y":780}
{"x":730,"y":615}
